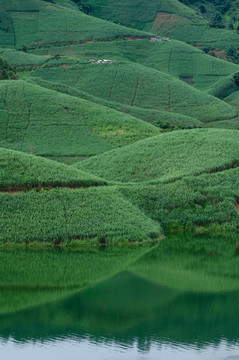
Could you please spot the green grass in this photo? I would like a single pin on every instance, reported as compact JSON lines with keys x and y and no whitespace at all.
{"x":20,"y":58}
{"x":64,"y":215}
{"x":34,"y":23}
{"x":167,"y":18}
{"x":233,"y":99}
{"x":155,"y":117}
{"x":176,"y":58}
{"x":193,"y":203}
{"x":168,"y":157}
{"x":138,"y":12}
{"x":19,"y":171}
{"x":223,"y":88}
{"x":136,"y":85}
{"x":43,"y":122}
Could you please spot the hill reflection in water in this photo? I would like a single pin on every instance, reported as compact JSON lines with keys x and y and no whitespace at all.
{"x":128,"y":311}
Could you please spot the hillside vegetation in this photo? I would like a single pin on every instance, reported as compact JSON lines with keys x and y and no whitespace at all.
{"x":61,"y":125}
{"x":26,"y":24}
{"x":97,"y":215}
{"x":7,"y":72}
{"x":168,"y":157}
{"x":203,"y":23}
{"x":136,"y":85}
{"x":22,"y":171}
{"x":149,"y":123}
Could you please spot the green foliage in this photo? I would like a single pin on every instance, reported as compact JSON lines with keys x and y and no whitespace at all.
{"x":216,"y":22}
{"x":23,"y":171}
{"x":168,"y":157}
{"x":19,"y":58}
{"x":6,"y":72}
{"x":137,"y":85}
{"x":64,"y":215}
{"x":205,"y":201}
{"x":44,"y":122}
{"x":35,"y":23}
{"x":236,"y":78}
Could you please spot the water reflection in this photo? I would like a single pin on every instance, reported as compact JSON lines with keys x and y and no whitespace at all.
{"x":143,"y":307}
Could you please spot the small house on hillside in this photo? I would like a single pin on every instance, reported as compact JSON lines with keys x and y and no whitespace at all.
{"x":154,"y":39}
{"x":104,"y":61}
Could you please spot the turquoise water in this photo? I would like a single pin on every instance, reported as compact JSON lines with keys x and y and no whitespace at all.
{"x":130,"y":315}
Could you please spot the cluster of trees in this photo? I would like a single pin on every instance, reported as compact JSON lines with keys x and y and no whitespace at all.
{"x":84,"y":6}
{"x":6,"y":71}
{"x":222,"y":7}
{"x":236,"y":78}
{"x":233,"y":55}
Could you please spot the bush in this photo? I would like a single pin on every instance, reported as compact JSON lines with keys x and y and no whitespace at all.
{"x":6,"y":71}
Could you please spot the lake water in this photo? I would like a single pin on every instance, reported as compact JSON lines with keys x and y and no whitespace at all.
{"x":162,"y":303}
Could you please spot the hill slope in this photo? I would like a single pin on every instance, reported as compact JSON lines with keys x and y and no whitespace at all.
{"x":61,"y":125}
{"x":33,"y":23}
{"x":95,"y":214}
{"x":172,"y":18}
{"x":137,"y":85}
{"x":24,"y":171}
{"x":168,"y":157}
{"x":176,"y":58}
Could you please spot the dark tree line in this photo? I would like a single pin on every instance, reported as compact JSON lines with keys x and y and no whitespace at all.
{"x":82,"y":4}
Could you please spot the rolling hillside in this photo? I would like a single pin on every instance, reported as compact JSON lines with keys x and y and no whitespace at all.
{"x":176,"y":58}
{"x":61,"y":125}
{"x":174,"y":19}
{"x":137,"y":85}
{"x":149,"y":123}
{"x":19,"y":171}
{"x":168,"y":157}
{"x":35,"y":23}
{"x":95,"y":215}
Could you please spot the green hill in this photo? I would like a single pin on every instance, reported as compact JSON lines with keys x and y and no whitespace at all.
{"x":44,"y":122}
{"x":159,"y":118}
{"x":23,"y":171}
{"x":20,"y":58}
{"x":168,"y":157}
{"x":32,"y":23}
{"x":174,"y":19}
{"x":208,"y":201}
{"x":96,"y":215}
{"x":176,"y":58}
{"x":224,"y":87}
{"x":137,"y":85}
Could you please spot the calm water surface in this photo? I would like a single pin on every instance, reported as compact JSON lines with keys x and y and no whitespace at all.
{"x":155,"y":306}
